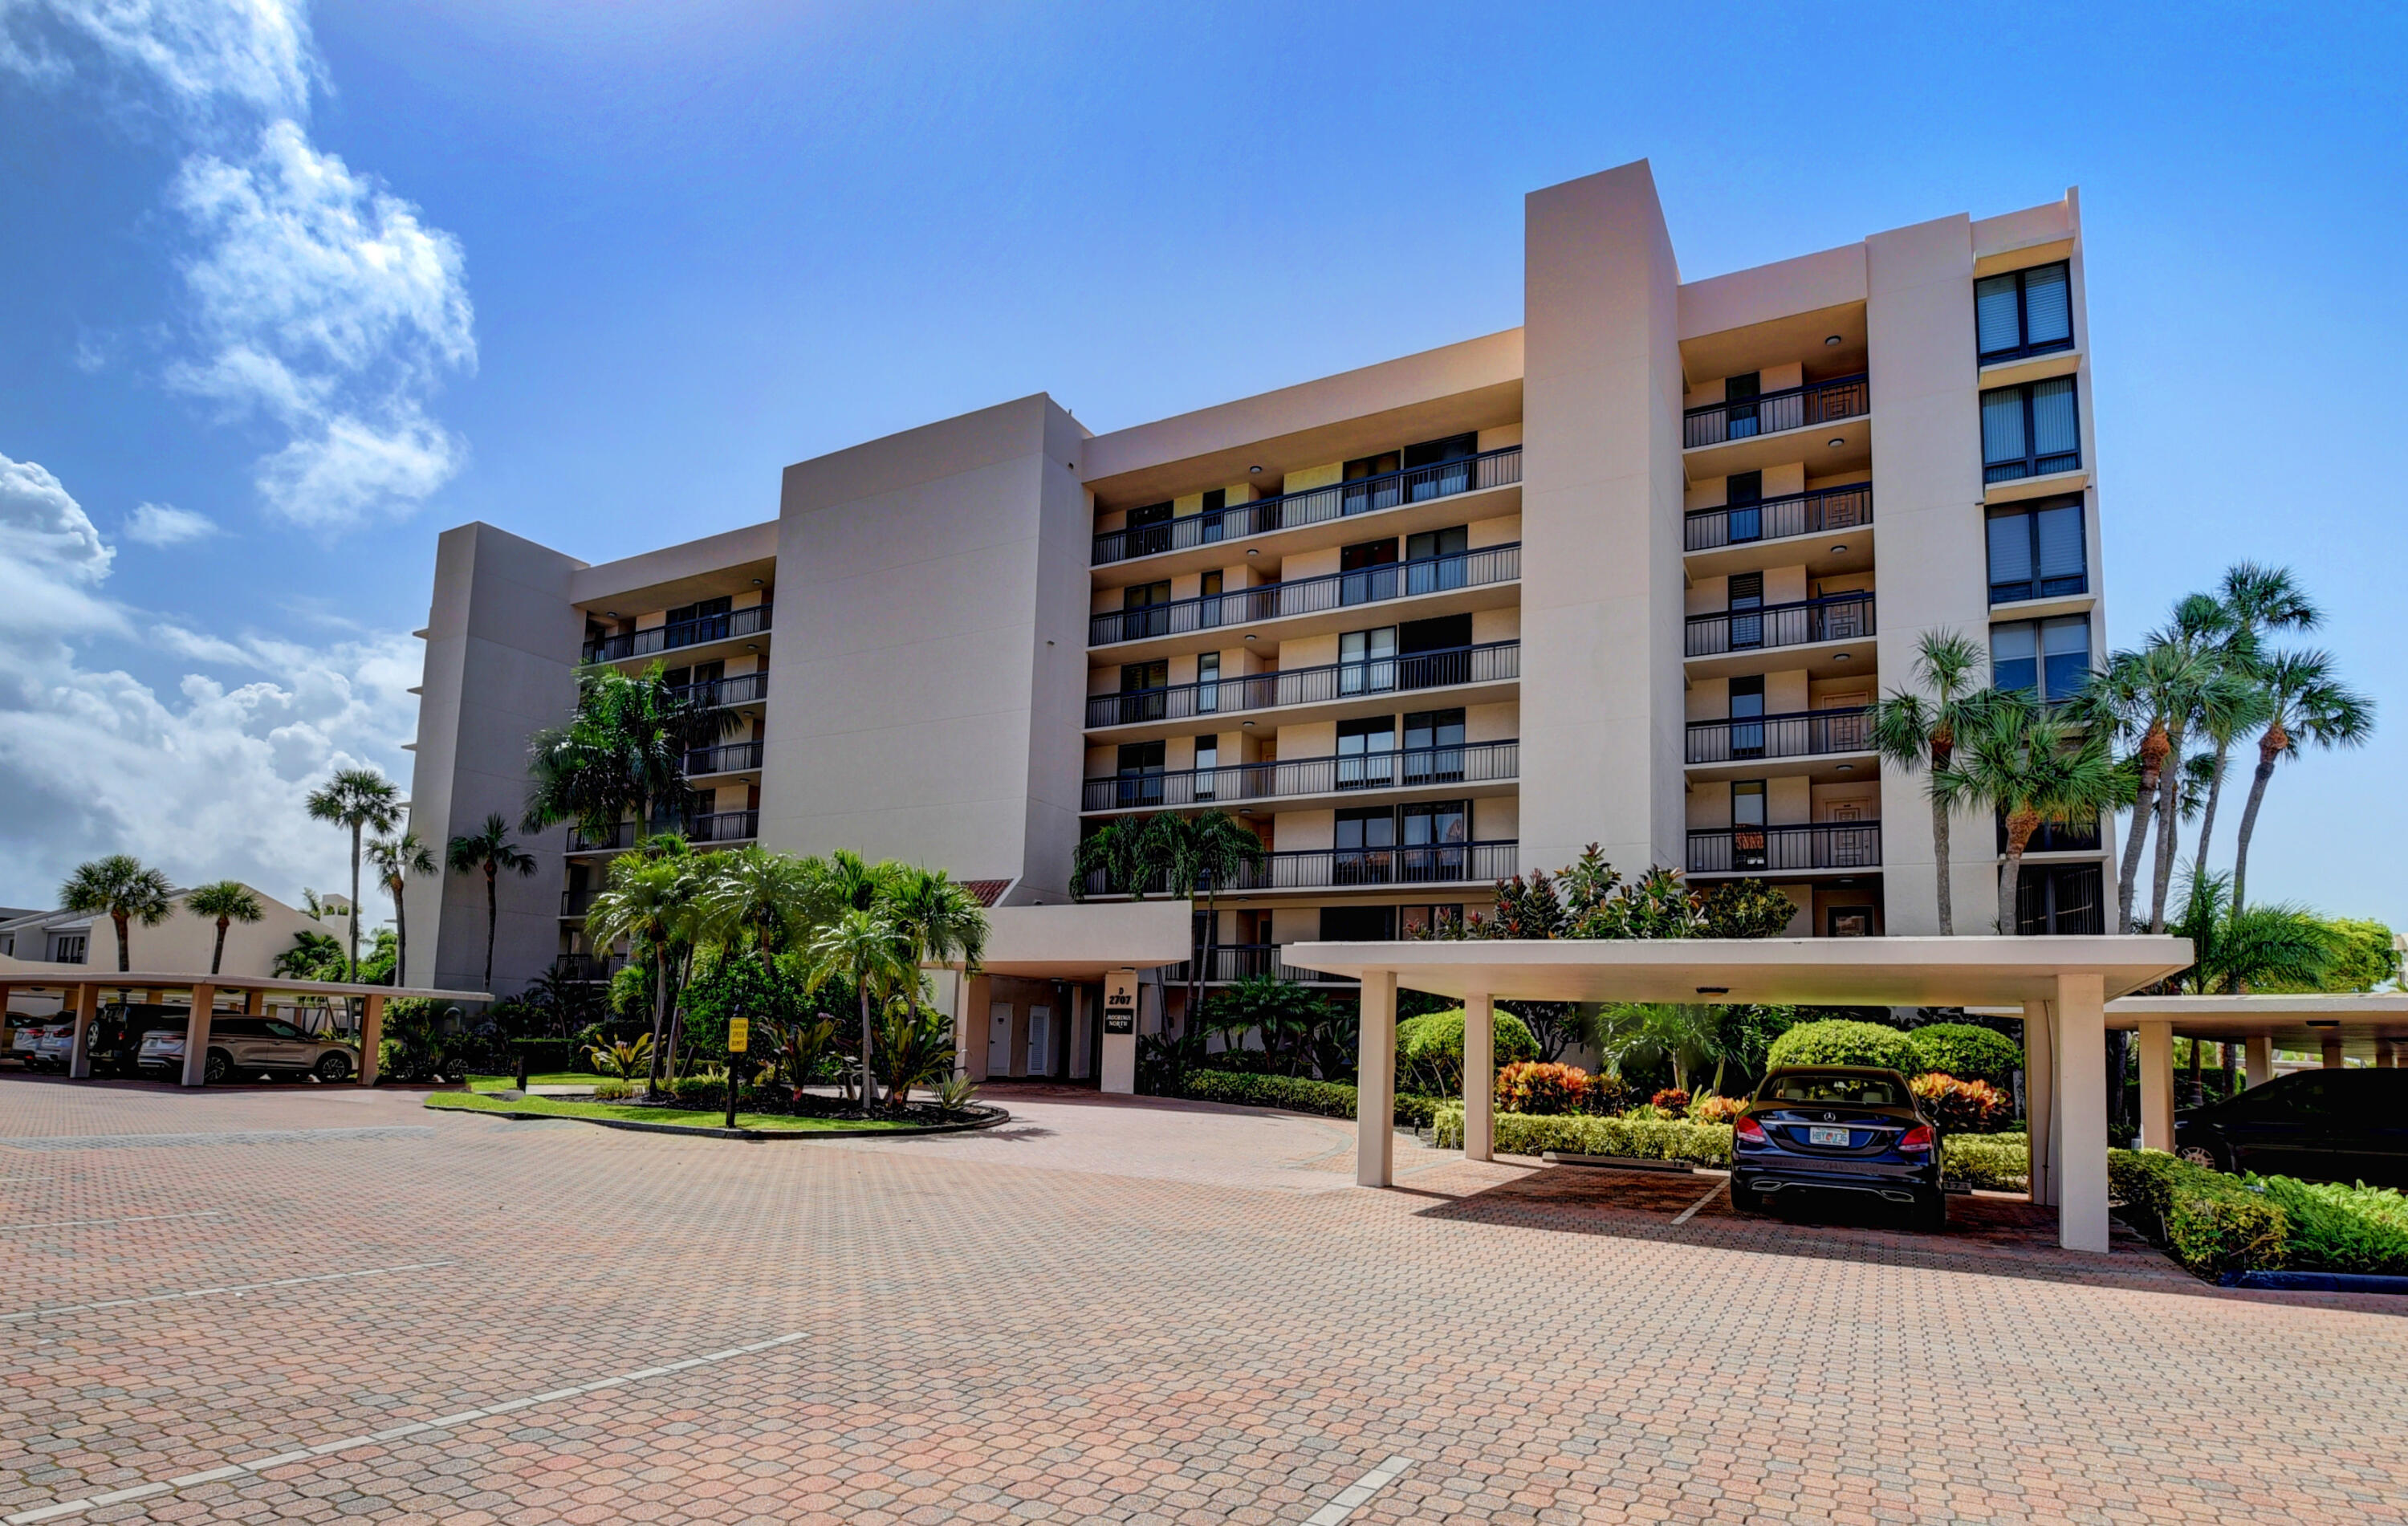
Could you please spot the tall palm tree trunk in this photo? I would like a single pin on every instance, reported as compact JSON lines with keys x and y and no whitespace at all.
{"x":2257,"y":784}
{"x":119,"y":920}
{"x":2144,"y":806}
{"x":492,"y":914}
{"x":400,"y":934}
{"x":868,"y":1086}
{"x":1939,"y":861}
{"x":217,"y":956}
{"x":2207,"y":813}
{"x":2169,"y":819}
{"x":660,"y":1015}
{"x":354,"y":918}
{"x":2011,"y":869}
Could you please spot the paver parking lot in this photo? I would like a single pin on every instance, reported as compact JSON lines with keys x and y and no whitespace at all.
{"x":1110,"y":1310}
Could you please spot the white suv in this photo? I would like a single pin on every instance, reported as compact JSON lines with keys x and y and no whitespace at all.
{"x":242,"y":1046}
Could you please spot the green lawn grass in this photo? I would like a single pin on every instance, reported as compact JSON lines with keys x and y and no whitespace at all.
{"x":540,"y":1078}
{"x":704,"y":1117}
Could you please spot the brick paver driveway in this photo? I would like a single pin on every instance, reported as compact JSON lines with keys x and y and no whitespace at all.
{"x":1124,"y":1311}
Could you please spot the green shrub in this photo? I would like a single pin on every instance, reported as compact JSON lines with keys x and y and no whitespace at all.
{"x":1297,"y":1094}
{"x":1838,"y":1042}
{"x":1429,"y":1048}
{"x":1966,"y":1052}
{"x":2210,"y":1222}
{"x":2332,"y":1228}
{"x":1997,"y":1163}
{"x":1575,"y":1133}
{"x":612,"y":1092}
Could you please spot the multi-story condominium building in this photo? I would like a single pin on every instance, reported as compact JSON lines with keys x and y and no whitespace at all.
{"x":1628,"y":574}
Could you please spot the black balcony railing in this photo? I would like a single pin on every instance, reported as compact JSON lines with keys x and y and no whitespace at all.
{"x":1313,"y":869}
{"x":1310,"y":596}
{"x":1798,"y":407}
{"x":712,"y":827}
{"x":1495,"y":662}
{"x":1748,"y":850}
{"x":1313,"y":506}
{"x":577,"y":902}
{"x":719,"y":693}
{"x":1835,"y":617}
{"x":1244,"y":961}
{"x":727,"y":758}
{"x":1808,"y":733}
{"x":1823,"y":510}
{"x":1470,"y":762}
{"x":2056,"y":837}
{"x":751,"y":621}
{"x":588,"y":966}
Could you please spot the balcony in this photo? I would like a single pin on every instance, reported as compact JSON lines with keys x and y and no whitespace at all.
{"x":1231,"y":962}
{"x":713,"y":828}
{"x":1808,"y":733}
{"x":729,"y":757}
{"x":1837,"y":617}
{"x":577,"y":903}
{"x":1313,"y":506}
{"x":1775,"y":850}
{"x":1823,"y":510}
{"x":1488,"y":566}
{"x":1497,"y":662}
{"x":1815,"y":404}
{"x":720,"y":693}
{"x":1466,"y":763}
{"x":588,"y":966}
{"x":711,"y":627}
{"x":1322,"y":869}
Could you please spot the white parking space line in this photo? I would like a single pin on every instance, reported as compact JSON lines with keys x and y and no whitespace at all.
{"x":466,"y":1417}
{"x":1350,"y":1499}
{"x":219,"y":1292}
{"x":1711,"y":1193}
{"x":130,"y":1219}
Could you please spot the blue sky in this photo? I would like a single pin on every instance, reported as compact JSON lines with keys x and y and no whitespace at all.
{"x":290,"y":290}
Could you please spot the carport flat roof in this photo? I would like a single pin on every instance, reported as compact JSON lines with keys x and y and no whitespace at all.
{"x":1872,"y":971}
{"x":27,"y":974}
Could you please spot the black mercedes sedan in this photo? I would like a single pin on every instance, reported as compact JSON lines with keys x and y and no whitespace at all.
{"x":1837,"y":1128}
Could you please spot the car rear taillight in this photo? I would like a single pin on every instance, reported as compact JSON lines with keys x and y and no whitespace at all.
{"x":1918,"y":1139}
{"x":1751,"y":1131}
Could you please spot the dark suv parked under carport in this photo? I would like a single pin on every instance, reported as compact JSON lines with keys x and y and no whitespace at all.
{"x":1837,"y":1128}
{"x":2321,"y":1126}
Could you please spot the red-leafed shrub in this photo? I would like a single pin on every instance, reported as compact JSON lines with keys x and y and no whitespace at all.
{"x":1609,"y":1094}
{"x":1715,"y":1109}
{"x":1672,"y":1100}
{"x":1532,"y":1087}
{"x":1960,"y":1107}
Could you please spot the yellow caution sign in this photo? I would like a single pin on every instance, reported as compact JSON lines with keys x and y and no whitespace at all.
{"x":740,"y":1034}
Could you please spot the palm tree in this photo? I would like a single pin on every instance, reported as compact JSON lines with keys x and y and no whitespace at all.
{"x":2305,"y":702}
{"x":2237,"y":948}
{"x":2255,"y":599}
{"x":489,"y":851}
{"x":861,"y":947}
{"x":361,"y":799}
{"x":754,"y":896}
{"x":1688,"y":1034}
{"x":121,"y":886}
{"x":229,"y":902}
{"x":649,"y":902}
{"x":1911,"y":732}
{"x":395,"y":859}
{"x":1189,"y":853}
{"x":937,"y":921}
{"x":1111,"y":853}
{"x":623,"y":751}
{"x":2031,"y":767}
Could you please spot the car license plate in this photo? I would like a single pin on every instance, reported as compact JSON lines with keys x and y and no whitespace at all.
{"x":1827,"y":1136}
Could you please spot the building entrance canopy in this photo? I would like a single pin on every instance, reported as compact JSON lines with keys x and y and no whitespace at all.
{"x":2061,"y":984}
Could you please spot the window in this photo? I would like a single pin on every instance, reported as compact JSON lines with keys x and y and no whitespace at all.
{"x":2048,"y":659}
{"x":1371,"y":484}
{"x":1742,"y":492}
{"x":1366,"y":753}
{"x":1747,"y":823}
{"x":1451,"y":458}
{"x":1366,"y":571}
{"x":2036,"y":552}
{"x":1746,"y":604}
{"x":2059,"y":898}
{"x":1367,"y":661}
{"x":2055,"y":837}
{"x":1435,"y":835}
{"x":1358,"y":924}
{"x":1207,"y":764}
{"x":1433,"y":746}
{"x":1141,"y":691}
{"x":1747,"y":717}
{"x":1740,"y":393}
{"x":1149,"y":529}
{"x":1141,"y":774}
{"x":1144,"y":610}
{"x":1848,"y":922}
{"x":2030,"y":431}
{"x":2024,"y":313}
{"x":1370,"y":827}
{"x":1436,"y":559}
{"x":1214,"y":523}
{"x":1207,"y":683}
{"x":71,"y":948}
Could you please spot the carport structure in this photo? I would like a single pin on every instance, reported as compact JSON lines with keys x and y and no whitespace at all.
{"x":79,"y":989}
{"x":2371,"y":1027}
{"x":2061,"y":984}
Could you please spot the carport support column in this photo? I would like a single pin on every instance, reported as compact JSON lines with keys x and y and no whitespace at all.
{"x":2259,"y":1059}
{"x":86,"y":999}
{"x":1479,"y":1077}
{"x":2157,"y":1086}
{"x":2385,"y":1057}
{"x":2082,"y":1099}
{"x":2332,"y":1037}
{"x":1375,"y":1089}
{"x":2039,"y":1098}
{"x":196,"y":1035}
{"x":371,"y":1037}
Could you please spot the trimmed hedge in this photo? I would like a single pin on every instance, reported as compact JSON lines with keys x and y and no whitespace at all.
{"x":1299,"y":1094}
{"x":1574,"y":1133}
{"x":1837,"y":1041}
{"x":1431,"y":1044}
{"x":1966,"y":1052}
{"x":2332,"y":1228}
{"x":1994,"y":1163}
{"x":2210,"y":1222}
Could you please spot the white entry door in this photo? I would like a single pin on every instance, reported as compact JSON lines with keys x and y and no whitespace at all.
{"x":998,"y":1038}
{"x":1040,"y":1037}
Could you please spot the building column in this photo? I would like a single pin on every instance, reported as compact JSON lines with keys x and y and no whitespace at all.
{"x":1479,"y":1077}
{"x":196,"y":1035}
{"x":1375,"y":1082}
{"x":371,"y":1037}
{"x":2385,"y":1057}
{"x":86,"y":1002}
{"x":2082,"y":1096}
{"x":2330,"y":1038}
{"x":2039,"y":1101}
{"x":2157,"y":1086}
{"x":254,"y":1001}
{"x":2259,"y":1060}
{"x":1080,"y":1040}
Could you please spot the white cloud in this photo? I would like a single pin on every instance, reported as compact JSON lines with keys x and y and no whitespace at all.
{"x":207,"y":781}
{"x":165,"y":525}
{"x":203,"y":55}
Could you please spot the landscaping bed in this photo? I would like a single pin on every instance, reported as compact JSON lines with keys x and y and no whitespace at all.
{"x":1998,"y":1162}
{"x":2227,"y":1228}
{"x":831,"y":1122}
{"x":1299,"y":1094}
